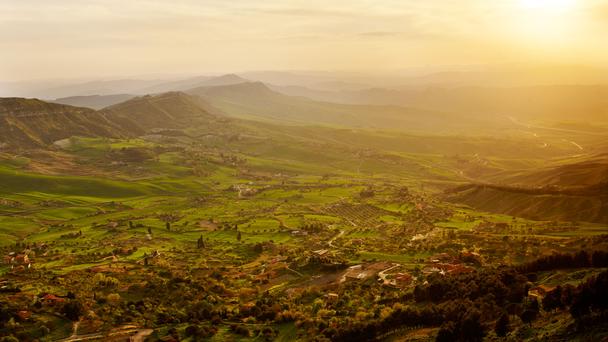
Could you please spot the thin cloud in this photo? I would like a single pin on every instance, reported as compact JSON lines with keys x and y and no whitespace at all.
{"x":380,"y":34}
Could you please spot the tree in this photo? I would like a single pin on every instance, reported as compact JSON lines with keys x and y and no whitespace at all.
{"x":502,"y":325}
{"x":528,"y":316}
{"x":553,"y":299}
{"x":9,"y":338}
{"x":150,"y":230}
{"x":168,"y":226}
{"x":200,"y":243}
{"x":471,"y":328}
{"x":238,"y":236}
{"x":530,"y":312}
{"x":72,"y":309}
{"x":447,"y":333}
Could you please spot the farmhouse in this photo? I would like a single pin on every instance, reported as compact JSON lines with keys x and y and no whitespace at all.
{"x":51,"y":299}
{"x":320,"y":252}
{"x":540,"y":291}
{"x":403,"y":279}
{"x":24,"y":315}
{"x":442,"y":257}
{"x":331,"y":297}
{"x":362,"y":272}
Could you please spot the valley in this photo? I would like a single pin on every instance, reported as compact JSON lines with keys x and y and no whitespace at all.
{"x":231,"y":212}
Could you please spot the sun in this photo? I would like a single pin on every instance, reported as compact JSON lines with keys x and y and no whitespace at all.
{"x":545,"y":22}
{"x":548,"y":5}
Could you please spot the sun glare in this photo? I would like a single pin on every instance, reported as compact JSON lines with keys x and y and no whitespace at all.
{"x":548,"y":5}
{"x":545,"y":22}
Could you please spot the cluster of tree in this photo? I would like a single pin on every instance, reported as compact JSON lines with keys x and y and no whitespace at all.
{"x":399,"y":318}
{"x":503,"y":285}
{"x":198,"y":332}
{"x":313,"y":227}
{"x":102,"y":281}
{"x":466,"y":327}
{"x":462,"y":305}
{"x":561,"y":261}
{"x":589,"y":297}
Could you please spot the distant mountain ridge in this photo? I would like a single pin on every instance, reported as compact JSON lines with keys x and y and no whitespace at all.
{"x":256,"y":100}
{"x":94,"y":101}
{"x":547,"y":102}
{"x":103,"y":99}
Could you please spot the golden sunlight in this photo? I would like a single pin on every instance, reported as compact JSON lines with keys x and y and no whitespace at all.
{"x":547,"y":23}
{"x":548,"y":5}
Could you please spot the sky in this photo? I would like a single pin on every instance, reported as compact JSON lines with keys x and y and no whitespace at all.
{"x":107,"y":38}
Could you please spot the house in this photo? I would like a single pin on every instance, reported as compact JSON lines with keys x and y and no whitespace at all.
{"x":441,"y":257}
{"x":320,"y":252}
{"x":398,"y":280}
{"x":331,"y":297}
{"x":51,"y":299}
{"x":22,"y":259}
{"x":540,"y":291}
{"x":430,"y":269}
{"x":24,"y":315}
{"x":8,"y":259}
{"x":403,"y":279}
{"x":360,"y":272}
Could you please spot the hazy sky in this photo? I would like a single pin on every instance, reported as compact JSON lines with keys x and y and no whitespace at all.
{"x":78,"y":38}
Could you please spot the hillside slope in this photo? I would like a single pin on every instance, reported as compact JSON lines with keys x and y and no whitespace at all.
{"x":591,"y":206}
{"x":168,"y":110}
{"x":582,"y":173}
{"x":27,"y":123}
{"x":575,"y":191}
{"x":31,"y":123}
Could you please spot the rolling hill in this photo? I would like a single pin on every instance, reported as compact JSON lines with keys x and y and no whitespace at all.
{"x":168,"y":110}
{"x":576,"y":191}
{"x":31,"y":123}
{"x":255,"y":100}
{"x":589,"y":205}
{"x":592,"y":171}
{"x":27,"y":123}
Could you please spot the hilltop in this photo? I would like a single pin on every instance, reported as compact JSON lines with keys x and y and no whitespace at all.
{"x":26,"y":123}
{"x":168,"y":110}
{"x":32,"y":122}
